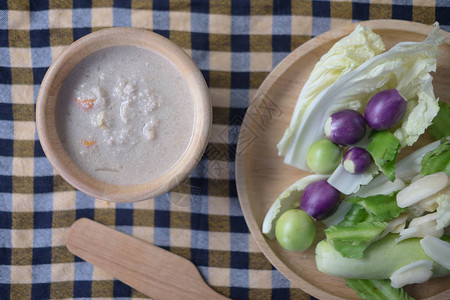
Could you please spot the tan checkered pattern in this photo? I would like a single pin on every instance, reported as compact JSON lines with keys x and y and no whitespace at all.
{"x":260,"y":26}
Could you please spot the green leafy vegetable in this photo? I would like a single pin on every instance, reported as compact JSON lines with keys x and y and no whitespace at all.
{"x":352,"y":241}
{"x":440,"y":128}
{"x":446,"y":238}
{"x":384,"y":148}
{"x":381,"y":207}
{"x":363,"y":224}
{"x":373,"y":289}
{"x":356,"y":214}
{"x":361,"y":232}
{"x":355,"y":251}
{"x":437,"y":160}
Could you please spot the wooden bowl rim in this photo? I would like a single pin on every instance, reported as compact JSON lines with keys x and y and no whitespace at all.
{"x":47,"y":97}
{"x":267,"y":84}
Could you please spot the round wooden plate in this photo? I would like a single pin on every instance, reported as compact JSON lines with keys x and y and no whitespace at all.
{"x":262,"y":175}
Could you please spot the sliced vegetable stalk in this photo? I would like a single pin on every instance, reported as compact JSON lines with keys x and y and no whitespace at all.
{"x":384,"y":148}
{"x":385,"y":188}
{"x":348,"y":183}
{"x":373,"y":289}
{"x":421,"y":227}
{"x":437,"y":249}
{"x":394,"y":226}
{"x":417,"y":272}
{"x":381,"y":259}
{"x":405,"y":67}
{"x":422,"y":188}
{"x":347,"y":54}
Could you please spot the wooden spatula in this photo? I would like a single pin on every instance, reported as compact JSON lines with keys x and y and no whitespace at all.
{"x":147,"y":268}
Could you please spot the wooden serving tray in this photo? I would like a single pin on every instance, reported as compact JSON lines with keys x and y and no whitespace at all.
{"x":261,"y":174}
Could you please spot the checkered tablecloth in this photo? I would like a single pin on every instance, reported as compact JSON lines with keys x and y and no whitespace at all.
{"x":235,"y":44}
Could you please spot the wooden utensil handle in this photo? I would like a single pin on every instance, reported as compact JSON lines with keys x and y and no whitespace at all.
{"x":147,"y":268}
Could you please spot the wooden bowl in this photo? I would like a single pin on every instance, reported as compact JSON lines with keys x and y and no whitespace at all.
{"x":47,"y":99}
{"x":261,"y":174}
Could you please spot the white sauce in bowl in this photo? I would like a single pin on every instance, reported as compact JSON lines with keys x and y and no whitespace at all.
{"x":125,"y":115}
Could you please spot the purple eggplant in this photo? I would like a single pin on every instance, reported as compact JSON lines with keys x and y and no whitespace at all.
{"x":345,"y":127}
{"x":385,"y":109}
{"x":320,"y":199}
{"x":357,"y":160}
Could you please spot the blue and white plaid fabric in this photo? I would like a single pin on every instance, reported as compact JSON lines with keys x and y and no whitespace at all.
{"x":235,"y":43}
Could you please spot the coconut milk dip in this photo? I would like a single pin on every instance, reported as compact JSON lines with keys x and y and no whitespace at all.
{"x":124,"y":115}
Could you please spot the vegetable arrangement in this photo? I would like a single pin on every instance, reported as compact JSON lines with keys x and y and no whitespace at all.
{"x":406,"y":67}
{"x":351,"y":120}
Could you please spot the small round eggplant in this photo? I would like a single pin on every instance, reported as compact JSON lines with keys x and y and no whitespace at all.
{"x":320,"y":199}
{"x":357,"y":160}
{"x":385,"y":109}
{"x":345,"y":127}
